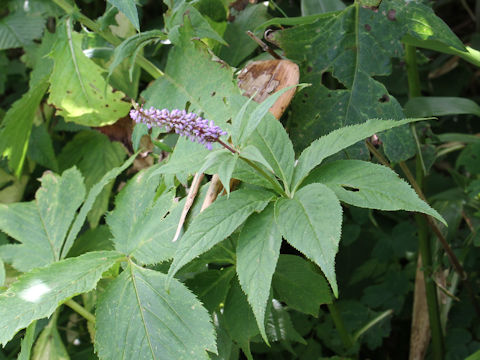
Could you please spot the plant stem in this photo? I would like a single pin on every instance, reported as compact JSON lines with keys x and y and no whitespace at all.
{"x":275,"y":184}
{"x":371,"y":323}
{"x":422,"y":224}
{"x":340,"y":326}
{"x":107,"y":35}
{"x":80,"y":310}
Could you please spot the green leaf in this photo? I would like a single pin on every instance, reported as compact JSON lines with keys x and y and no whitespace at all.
{"x":239,"y":319}
{"x":212,"y":286}
{"x":311,"y":7}
{"x":77,"y":87}
{"x":344,"y":44}
{"x":97,"y":239}
{"x":279,"y":325}
{"x":38,"y":293}
{"x":2,"y":272}
{"x":17,"y":126}
{"x":216,"y":223}
{"x":138,"y":318}
{"x":130,"y":48}
{"x":138,"y":221}
{"x":373,"y":186}
{"x":223,"y":162}
{"x":248,"y":126}
{"x":187,"y":157}
{"x":27,"y":342}
{"x":271,"y":139}
{"x":129,"y":9}
{"x":240,"y":45}
{"x":40,"y":148}
{"x":440,"y":106}
{"x":251,"y":153}
{"x":338,"y":140}
{"x":95,"y":155}
{"x":90,"y":200}
{"x":201,"y":26}
{"x":311,"y":222}
{"x":210,"y":90}
{"x":41,"y":225}
{"x":297,"y":283}
{"x":49,"y":345}
{"x":19,"y":29}
{"x":257,"y":253}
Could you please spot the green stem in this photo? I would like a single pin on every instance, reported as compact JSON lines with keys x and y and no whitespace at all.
{"x":272,"y":181}
{"x":423,"y":237}
{"x":340,"y":326}
{"x":371,"y":323}
{"x":107,"y":35}
{"x":80,"y":310}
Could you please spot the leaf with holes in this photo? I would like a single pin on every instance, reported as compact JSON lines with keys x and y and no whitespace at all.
{"x":77,"y":88}
{"x":373,"y":186}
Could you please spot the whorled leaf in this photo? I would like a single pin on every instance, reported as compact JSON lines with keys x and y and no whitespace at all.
{"x":138,"y":318}
{"x":38,"y":293}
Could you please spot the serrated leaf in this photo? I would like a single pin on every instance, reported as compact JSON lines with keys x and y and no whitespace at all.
{"x":271,"y":139}
{"x":311,"y":222}
{"x":77,"y":88}
{"x":138,"y":318}
{"x":129,"y":9}
{"x":89,"y":202}
{"x":19,"y":29}
{"x":41,"y":225}
{"x":216,"y":223}
{"x":17,"y":126}
{"x":138,"y":223}
{"x":296,"y":283}
{"x":2,"y":272}
{"x":257,"y":253}
{"x":130,"y":47}
{"x":338,"y":140}
{"x":212,"y":286}
{"x":210,"y":90}
{"x":239,"y":319}
{"x":344,"y":43}
{"x":373,"y":186}
{"x":95,"y":155}
{"x":38,"y":293}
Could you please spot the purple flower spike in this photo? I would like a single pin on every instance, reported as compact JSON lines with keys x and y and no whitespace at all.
{"x":179,"y":121}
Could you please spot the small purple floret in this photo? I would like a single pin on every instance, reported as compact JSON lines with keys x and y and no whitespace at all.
{"x":179,"y":121}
